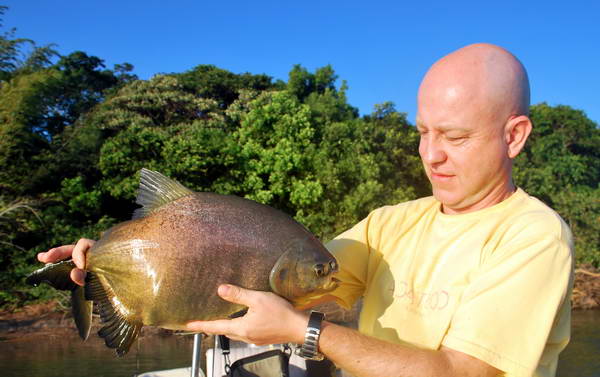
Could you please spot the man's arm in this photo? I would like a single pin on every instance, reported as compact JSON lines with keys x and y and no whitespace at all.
{"x":271,"y":319}
{"x":362,"y":355}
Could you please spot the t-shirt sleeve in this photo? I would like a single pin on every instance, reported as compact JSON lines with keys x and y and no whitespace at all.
{"x":513,"y":305}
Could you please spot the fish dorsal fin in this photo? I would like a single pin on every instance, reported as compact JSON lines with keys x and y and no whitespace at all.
{"x":155,"y":191}
{"x":118,"y":331}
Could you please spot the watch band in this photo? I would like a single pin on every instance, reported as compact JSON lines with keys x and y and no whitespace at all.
{"x":310,"y":349}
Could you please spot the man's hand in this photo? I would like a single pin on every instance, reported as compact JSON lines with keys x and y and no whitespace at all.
{"x":270,"y":319}
{"x":76,"y":252}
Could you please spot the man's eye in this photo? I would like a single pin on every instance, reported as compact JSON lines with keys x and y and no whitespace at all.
{"x":455,"y":139}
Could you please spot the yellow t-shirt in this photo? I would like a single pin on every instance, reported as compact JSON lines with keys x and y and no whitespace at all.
{"x":494,"y":284}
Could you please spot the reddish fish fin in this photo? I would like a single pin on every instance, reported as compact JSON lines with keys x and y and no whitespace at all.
{"x":155,"y":191}
{"x":118,"y":331}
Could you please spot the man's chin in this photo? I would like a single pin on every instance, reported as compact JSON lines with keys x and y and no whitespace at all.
{"x":450,"y":202}
{"x":445,"y":197}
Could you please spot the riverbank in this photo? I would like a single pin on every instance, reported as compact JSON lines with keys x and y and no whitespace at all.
{"x":52,"y":318}
{"x":586,"y":290}
{"x":49,"y":318}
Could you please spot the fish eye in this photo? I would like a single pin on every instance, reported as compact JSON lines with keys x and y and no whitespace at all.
{"x":320,"y":269}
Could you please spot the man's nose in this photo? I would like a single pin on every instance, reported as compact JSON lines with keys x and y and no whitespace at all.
{"x":431,"y":150}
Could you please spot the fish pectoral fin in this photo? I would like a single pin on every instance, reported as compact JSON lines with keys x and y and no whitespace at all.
{"x":119,"y":331}
{"x":82,"y":312}
{"x":156,"y":190}
{"x":240,"y":313}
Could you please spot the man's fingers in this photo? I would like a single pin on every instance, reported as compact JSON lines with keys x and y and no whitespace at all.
{"x":56,"y":254}
{"x":78,"y":276}
{"x":79,"y":251}
{"x":76,"y":252}
{"x":218,"y":327}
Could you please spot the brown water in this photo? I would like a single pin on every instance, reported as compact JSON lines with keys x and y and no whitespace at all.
{"x":67,"y":356}
{"x":581,"y":358}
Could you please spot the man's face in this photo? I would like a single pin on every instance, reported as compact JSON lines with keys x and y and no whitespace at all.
{"x":462,"y":148}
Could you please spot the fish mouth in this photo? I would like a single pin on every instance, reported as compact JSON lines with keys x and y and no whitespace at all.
{"x":332,"y":284}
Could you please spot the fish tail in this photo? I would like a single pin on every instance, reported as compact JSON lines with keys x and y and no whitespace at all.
{"x":119,"y":332}
{"x":58,"y":276}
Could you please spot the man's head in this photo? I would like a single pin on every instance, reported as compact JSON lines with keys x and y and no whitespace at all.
{"x":472,"y":116}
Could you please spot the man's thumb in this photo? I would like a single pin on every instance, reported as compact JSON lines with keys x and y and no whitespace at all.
{"x":233,"y":293}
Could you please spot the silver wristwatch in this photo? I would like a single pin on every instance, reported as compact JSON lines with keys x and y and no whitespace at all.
{"x":310,"y":349}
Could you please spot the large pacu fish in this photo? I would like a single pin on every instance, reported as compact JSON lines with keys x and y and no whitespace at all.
{"x":163,"y":267}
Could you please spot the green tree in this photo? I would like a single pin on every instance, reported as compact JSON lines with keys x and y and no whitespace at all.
{"x":35,"y":109}
{"x":276,"y":144}
{"x":140,"y":121}
{"x":208,"y":81}
{"x":22,"y":102}
{"x":321,"y":163}
{"x":364,"y":164}
{"x":560,"y":164}
{"x":302,"y":83}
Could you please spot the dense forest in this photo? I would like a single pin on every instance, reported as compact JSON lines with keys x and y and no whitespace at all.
{"x":74,"y":134}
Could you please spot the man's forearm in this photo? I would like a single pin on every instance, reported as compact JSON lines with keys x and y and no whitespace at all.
{"x":271,"y":319}
{"x":365,"y":356}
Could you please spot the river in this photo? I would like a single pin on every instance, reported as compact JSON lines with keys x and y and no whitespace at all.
{"x":66,"y":356}
{"x":581,"y":358}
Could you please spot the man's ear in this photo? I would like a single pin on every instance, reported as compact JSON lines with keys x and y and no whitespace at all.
{"x":517,"y":131}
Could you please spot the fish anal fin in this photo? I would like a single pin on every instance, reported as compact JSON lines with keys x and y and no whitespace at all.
{"x":120,"y":335}
{"x":82,"y":312}
{"x":119,"y":330}
{"x":133,"y":331}
{"x":155,"y":191}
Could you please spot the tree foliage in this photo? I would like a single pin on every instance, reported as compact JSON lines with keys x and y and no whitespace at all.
{"x":560,"y":164}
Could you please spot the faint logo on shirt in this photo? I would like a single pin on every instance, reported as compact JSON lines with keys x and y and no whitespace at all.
{"x":420,"y":299}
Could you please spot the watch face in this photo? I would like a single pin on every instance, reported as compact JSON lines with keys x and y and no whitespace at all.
{"x":315,"y":319}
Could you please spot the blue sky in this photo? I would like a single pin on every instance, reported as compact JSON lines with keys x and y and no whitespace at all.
{"x":381,"y":48}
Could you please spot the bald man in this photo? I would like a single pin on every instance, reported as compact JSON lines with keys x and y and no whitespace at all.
{"x":472,"y":281}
